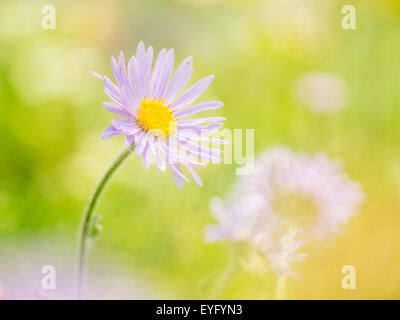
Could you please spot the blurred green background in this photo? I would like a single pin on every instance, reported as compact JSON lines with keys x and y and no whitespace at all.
{"x":51,"y":119}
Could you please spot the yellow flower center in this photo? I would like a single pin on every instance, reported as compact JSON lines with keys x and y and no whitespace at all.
{"x":157,"y":118}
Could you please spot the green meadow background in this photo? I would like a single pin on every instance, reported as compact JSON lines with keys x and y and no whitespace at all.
{"x":51,"y":154}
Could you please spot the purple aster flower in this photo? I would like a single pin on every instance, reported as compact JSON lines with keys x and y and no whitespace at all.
{"x":155,"y":112}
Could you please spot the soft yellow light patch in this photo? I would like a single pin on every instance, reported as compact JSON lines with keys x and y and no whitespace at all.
{"x":299,"y":209}
{"x":154,"y":116}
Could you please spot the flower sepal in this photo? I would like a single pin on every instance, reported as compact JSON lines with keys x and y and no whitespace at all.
{"x":96,"y":227}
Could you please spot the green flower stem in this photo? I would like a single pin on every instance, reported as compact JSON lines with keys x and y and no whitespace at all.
{"x":280,"y":289}
{"x":86,"y":229}
{"x":226,"y":276}
{"x":224,"y":280}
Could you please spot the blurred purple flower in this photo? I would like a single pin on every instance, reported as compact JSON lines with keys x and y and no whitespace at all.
{"x":308,"y":192}
{"x":288,"y":200}
{"x":244,"y":219}
{"x":24,"y":275}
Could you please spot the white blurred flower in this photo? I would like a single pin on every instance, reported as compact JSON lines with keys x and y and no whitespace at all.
{"x":244,"y":219}
{"x":236,"y":219}
{"x":323,"y":92}
{"x":288,"y":200}
{"x":282,"y":253}
{"x":310,"y":193}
